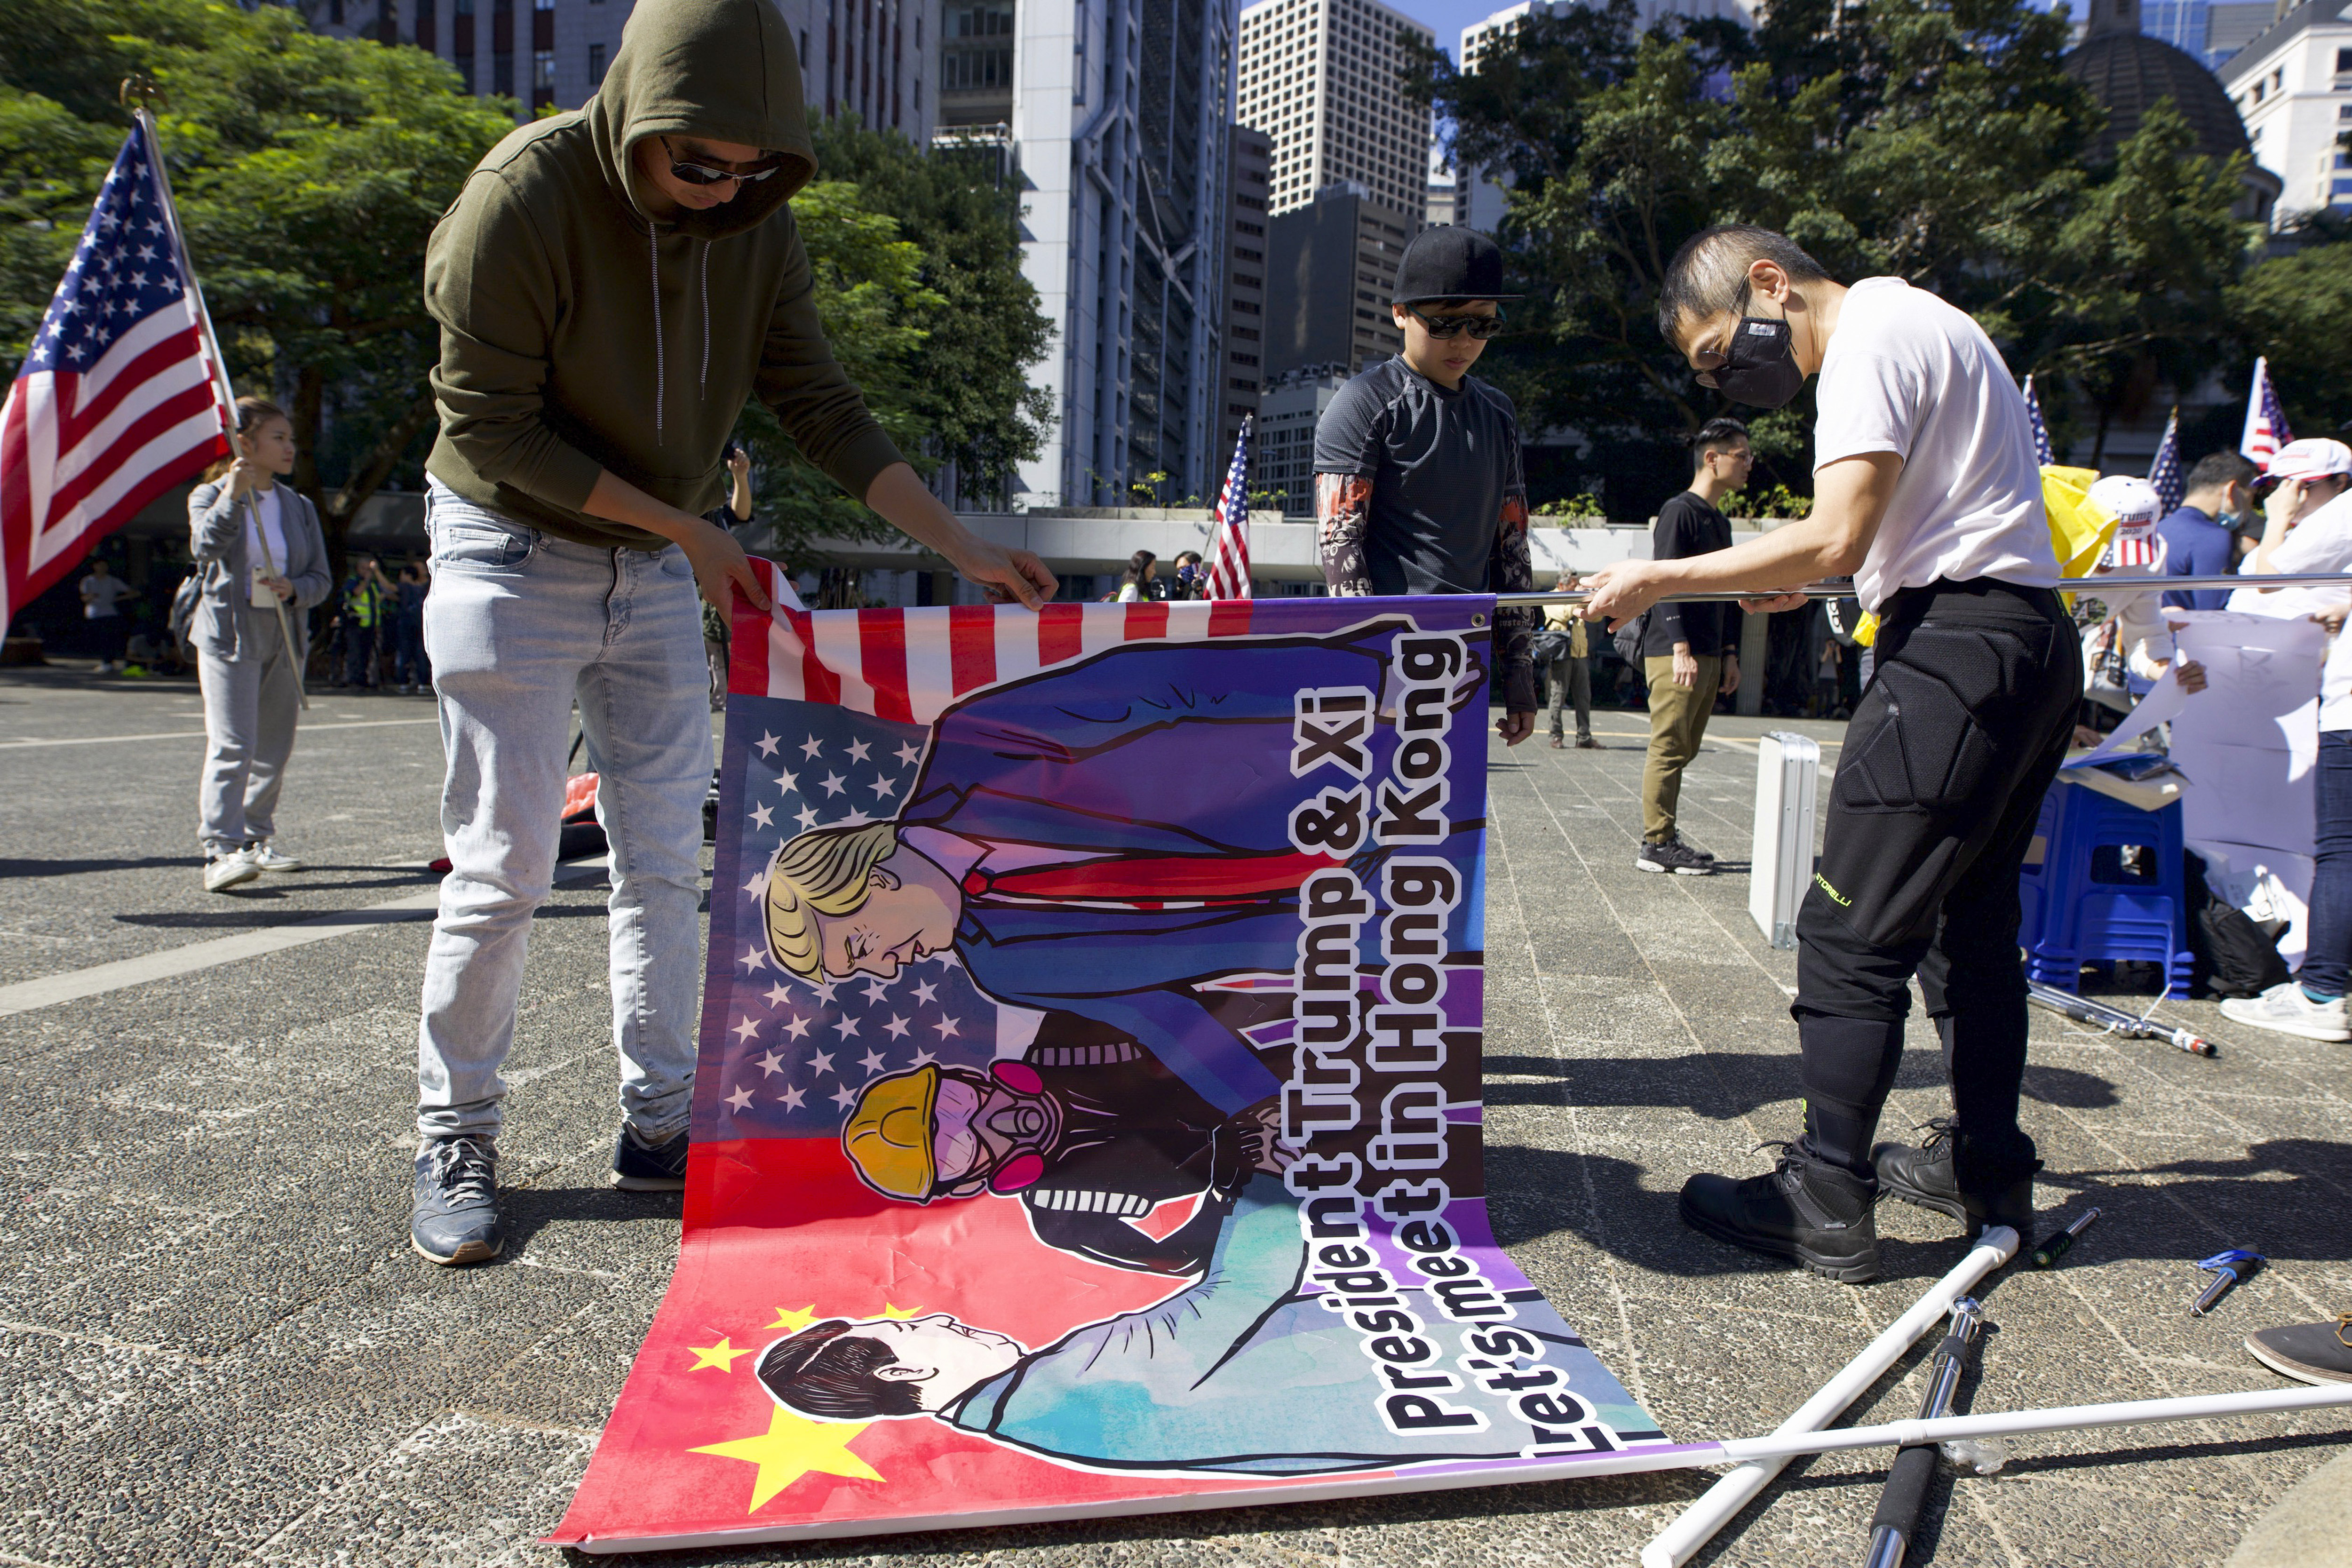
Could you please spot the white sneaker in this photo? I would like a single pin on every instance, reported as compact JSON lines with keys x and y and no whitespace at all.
{"x":265,"y":856}
{"x":222,"y":872}
{"x":2286,"y":1009}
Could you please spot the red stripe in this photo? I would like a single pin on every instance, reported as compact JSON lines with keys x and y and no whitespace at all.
{"x":1146,"y":618}
{"x":972,"y":646}
{"x":882,"y":653}
{"x":180,"y":348}
{"x":818,"y":684}
{"x":1057,"y":632}
{"x":102,"y":466}
{"x":1229,"y":618}
{"x":747,"y":640}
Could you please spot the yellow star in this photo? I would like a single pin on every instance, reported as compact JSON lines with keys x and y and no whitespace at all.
{"x":721,"y":1355}
{"x":901,"y":1312}
{"x":793,"y":1322}
{"x":791,"y":1448}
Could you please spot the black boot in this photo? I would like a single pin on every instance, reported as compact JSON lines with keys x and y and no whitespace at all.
{"x":1807,"y":1210}
{"x":1979,"y":1182}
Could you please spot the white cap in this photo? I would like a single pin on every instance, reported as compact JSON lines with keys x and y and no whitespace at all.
{"x":2132,"y":503}
{"x":2310,"y":460}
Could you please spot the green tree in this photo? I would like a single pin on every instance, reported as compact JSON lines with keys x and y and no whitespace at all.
{"x":308,"y":172}
{"x":2293,"y":309}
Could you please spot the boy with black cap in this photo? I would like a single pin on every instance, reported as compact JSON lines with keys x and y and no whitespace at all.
{"x":1418,"y":482}
{"x":612,"y":284}
{"x":1925,"y":490}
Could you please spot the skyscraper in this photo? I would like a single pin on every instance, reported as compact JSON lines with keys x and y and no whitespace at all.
{"x":1320,"y":79}
{"x":863,"y":57}
{"x":1245,"y":373}
{"x":1121,"y":132}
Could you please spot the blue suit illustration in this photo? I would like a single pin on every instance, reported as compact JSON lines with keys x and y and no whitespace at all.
{"x":1151,"y":756}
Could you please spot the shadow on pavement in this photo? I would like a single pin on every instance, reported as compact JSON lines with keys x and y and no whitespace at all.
{"x":1723,"y":1086}
{"x":528,"y":1210}
{"x":13,"y":869}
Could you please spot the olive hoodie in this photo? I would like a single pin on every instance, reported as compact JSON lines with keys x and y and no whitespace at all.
{"x":578,"y":335}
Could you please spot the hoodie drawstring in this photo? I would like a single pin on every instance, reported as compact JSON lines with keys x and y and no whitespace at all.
{"x":703,"y":388}
{"x":653,"y":237}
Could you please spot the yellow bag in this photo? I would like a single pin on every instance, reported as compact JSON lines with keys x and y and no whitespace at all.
{"x":2080,"y":531}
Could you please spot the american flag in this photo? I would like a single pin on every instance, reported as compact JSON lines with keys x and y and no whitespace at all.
{"x":2266,"y":429}
{"x":117,"y":400}
{"x":906,"y":667}
{"x":1229,"y":573}
{"x":2165,"y":473}
{"x":2043,"y":453}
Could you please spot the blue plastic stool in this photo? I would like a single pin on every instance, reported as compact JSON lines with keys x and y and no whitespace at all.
{"x":2081,"y":906}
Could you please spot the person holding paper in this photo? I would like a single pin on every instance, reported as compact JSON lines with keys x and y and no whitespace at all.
{"x":2307,"y":527}
{"x":1925,"y":490}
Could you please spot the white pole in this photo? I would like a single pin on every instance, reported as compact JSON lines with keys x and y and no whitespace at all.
{"x":1734,"y":1491}
{"x":1779,"y":1448}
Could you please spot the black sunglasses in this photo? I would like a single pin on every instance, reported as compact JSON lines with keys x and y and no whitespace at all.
{"x":1479,"y":327}
{"x":703,"y":174}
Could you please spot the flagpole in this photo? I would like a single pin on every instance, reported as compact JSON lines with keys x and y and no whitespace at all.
{"x":223,"y":393}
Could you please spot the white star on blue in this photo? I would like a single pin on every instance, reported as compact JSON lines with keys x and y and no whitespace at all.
{"x":123,"y":271}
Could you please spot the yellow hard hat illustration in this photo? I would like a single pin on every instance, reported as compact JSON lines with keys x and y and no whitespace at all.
{"x":889,"y":1136}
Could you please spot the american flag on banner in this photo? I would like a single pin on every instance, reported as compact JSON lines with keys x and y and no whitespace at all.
{"x":1229,"y":568}
{"x":2266,"y":429}
{"x":2171,"y":482}
{"x":2043,"y":453}
{"x":116,"y":402}
{"x":872,"y":663}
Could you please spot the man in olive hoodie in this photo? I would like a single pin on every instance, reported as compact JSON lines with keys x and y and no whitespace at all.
{"x":612,"y":285}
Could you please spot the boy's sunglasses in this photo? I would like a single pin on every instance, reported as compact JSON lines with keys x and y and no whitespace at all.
{"x":1479,"y":327}
{"x":703,"y":174}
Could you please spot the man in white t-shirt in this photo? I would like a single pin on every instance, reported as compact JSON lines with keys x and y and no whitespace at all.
{"x":2307,"y":527}
{"x":1925,"y":490}
{"x":101,"y":592}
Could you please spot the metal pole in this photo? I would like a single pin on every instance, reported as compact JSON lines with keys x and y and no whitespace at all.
{"x":2059,"y":1418}
{"x":1843,"y":589}
{"x":1737,"y":1490}
{"x":1899,"y":1506}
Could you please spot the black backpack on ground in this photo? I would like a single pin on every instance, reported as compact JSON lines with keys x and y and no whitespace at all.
{"x":2233,"y":953}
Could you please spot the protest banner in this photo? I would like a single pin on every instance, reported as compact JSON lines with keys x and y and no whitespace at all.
{"x":1088,"y":1115}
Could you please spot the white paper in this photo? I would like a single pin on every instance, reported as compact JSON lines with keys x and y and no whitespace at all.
{"x":2163,"y":702}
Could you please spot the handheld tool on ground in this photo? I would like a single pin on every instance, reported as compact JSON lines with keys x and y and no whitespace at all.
{"x":2114,"y":1020}
{"x":1899,"y":1505}
{"x":2047,"y":1254}
{"x":2227,"y":1268}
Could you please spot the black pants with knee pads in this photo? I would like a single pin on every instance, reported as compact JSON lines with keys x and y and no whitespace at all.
{"x":1971,"y":706}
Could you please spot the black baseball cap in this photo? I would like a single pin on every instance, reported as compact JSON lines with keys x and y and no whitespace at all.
{"x":1449,"y":262}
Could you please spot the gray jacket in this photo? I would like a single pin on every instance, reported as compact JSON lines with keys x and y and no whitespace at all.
{"x":216,"y":540}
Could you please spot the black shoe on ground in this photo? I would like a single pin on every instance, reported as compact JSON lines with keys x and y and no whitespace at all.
{"x":2000,"y":1191}
{"x":1806,"y":1210}
{"x":1587,"y":743}
{"x":641,"y":1167}
{"x":2316,"y":1354}
{"x":455,"y":1215}
{"x":1676,"y":857}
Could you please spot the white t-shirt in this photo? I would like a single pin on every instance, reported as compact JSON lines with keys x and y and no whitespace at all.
{"x":100,"y":596}
{"x":273,"y":528}
{"x":2320,"y":542}
{"x":1907,"y":373}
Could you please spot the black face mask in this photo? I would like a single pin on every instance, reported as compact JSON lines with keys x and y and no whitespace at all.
{"x":1759,"y":364}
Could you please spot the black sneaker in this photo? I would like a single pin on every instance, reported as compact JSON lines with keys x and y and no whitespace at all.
{"x":2000,"y":1191}
{"x":1806,"y":1210}
{"x":455,"y":1218}
{"x":2316,"y":1354}
{"x":1675,"y":856}
{"x":641,"y":1167}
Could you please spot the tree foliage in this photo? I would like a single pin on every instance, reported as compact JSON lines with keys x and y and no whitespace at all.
{"x":308,"y":172}
{"x":1938,"y":141}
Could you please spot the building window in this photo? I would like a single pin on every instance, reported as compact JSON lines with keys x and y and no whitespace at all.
{"x":2344,"y":62}
{"x":542,"y":76}
{"x":428,"y":26}
{"x":335,"y":12}
{"x":595,"y":65}
{"x":502,"y":73}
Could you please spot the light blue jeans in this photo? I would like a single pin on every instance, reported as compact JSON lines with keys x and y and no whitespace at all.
{"x":517,"y":625}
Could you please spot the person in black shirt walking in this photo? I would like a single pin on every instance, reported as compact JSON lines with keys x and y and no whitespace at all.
{"x":1690,"y":652}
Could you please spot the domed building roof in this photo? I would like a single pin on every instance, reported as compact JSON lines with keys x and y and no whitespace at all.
{"x":2127,"y":72}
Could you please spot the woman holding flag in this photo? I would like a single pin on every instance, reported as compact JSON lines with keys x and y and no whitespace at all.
{"x":262,"y":560}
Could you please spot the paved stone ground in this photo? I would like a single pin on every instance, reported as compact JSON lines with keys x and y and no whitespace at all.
{"x":218,"y":1348}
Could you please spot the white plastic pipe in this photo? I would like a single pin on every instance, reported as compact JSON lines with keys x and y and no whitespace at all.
{"x":2058,"y":1419}
{"x":1699,"y":1523}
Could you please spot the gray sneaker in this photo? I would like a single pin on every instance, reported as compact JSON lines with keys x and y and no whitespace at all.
{"x":233,"y":869}
{"x":2285,"y":1007}
{"x":1676,"y":857}
{"x":456,"y":1215}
